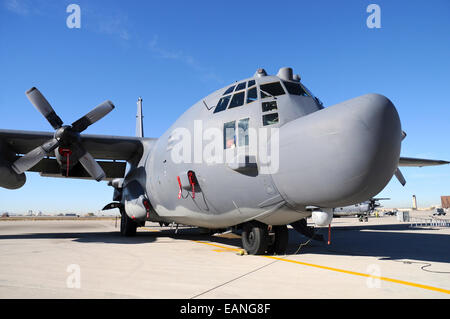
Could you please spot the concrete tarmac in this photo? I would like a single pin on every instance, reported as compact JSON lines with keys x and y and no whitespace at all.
{"x":381,"y":258}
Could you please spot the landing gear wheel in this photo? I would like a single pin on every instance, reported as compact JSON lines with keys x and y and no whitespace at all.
{"x":255,"y":238}
{"x":127,"y":225}
{"x":280,"y":241}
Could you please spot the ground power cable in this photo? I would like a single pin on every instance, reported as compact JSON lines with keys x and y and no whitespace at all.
{"x":425,"y":265}
{"x":254,"y":270}
{"x":234,"y":279}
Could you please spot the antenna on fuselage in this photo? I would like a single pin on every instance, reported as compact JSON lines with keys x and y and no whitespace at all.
{"x":206,"y":105}
{"x":139,"y":119}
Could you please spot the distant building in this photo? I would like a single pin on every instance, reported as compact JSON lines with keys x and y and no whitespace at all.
{"x":445,"y":201}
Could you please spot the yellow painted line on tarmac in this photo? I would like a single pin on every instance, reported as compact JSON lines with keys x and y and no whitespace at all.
{"x":223,"y":250}
{"x":397,"y":281}
{"x":149,"y":229}
{"x":218,"y":246}
{"x":402,"y":282}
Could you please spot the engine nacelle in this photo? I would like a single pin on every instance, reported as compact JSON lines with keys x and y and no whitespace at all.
{"x":322,"y":217}
{"x":62,"y":153}
{"x":136,"y":209}
{"x":134,"y":200}
{"x":8,"y":178}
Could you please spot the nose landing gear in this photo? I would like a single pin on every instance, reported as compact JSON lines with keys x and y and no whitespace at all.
{"x":255,"y":238}
{"x":363,"y":218}
{"x":258,"y":240}
{"x":279,"y":240}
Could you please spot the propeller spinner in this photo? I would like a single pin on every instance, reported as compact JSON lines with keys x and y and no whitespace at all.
{"x":66,"y":136}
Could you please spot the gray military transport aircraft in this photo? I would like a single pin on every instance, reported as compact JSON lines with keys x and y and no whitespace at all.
{"x":361,"y":210}
{"x":320,"y":158}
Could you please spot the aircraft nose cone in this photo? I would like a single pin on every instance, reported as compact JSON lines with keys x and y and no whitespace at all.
{"x":341,"y":155}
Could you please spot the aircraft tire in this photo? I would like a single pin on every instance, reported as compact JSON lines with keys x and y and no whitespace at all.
{"x":281,"y":239}
{"x":255,"y":238}
{"x":128,"y":226}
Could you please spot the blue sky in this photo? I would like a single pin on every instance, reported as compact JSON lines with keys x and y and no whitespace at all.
{"x":173,"y":53}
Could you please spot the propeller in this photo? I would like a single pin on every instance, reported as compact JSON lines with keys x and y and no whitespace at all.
{"x":400,"y":176}
{"x":67,"y":137}
{"x":373,"y":203}
{"x":398,"y":173}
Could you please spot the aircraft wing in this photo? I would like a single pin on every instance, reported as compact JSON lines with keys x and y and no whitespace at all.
{"x":110,"y":152}
{"x":419,"y":162}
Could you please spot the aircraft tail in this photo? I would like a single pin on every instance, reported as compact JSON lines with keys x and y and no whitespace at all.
{"x":139,"y":119}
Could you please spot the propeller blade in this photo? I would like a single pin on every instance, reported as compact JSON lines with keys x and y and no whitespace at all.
{"x":403,"y":135}
{"x":92,"y":167}
{"x":93,"y":116}
{"x":400,"y":177}
{"x":41,"y":104}
{"x":33,"y":157}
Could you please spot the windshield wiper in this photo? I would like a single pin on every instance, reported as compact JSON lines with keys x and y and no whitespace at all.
{"x":266,"y":93}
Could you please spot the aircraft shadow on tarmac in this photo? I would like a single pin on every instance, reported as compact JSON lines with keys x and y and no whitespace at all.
{"x":87,"y":237}
{"x":114,"y":237}
{"x":387,"y":242}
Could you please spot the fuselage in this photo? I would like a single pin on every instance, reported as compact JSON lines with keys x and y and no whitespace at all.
{"x":352,"y":210}
{"x":265,"y":149}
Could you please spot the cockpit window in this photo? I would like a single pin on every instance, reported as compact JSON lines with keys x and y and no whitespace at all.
{"x":269,"y":106}
{"x":271,"y":89}
{"x":295,"y":88}
{"x":240,"y":86}
{"x":237,"y":100}
{"x":243,"y":137}
{"x":230,"y":89}
{"x":222,"y":104}
{"x":270,"y":119}
{"x":251,"y":95}
{"x":229,"y":135}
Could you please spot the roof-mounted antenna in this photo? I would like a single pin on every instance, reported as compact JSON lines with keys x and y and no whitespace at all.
{"x":139,"y":119}
{"x":206,"y":105}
